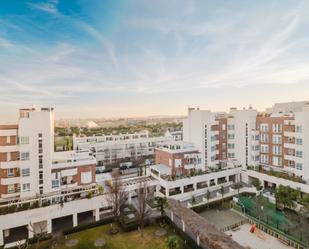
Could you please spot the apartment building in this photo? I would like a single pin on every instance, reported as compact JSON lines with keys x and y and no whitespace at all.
{"x":176,"y":135}
{"x":222,"y":137}
{"x":181,"y":157}
{"x":181,"y":172}
{"x":28,"y":164}
{"x":109,"y":149}
{"x":276,"y":139}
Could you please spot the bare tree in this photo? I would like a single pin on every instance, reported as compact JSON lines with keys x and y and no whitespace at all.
{"x":144,"y":195}
{"x":118,"y":196}
{"x":39,"y":231}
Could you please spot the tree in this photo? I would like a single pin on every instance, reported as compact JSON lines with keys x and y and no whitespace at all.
{"x":257,"y":184}
{"x":118,"y":196}
{"x":39,"y":231}
{"x":162,"y":204}
{"x":172,"y":242}
{"x":286,"y":197}
{"x":144,"y":195}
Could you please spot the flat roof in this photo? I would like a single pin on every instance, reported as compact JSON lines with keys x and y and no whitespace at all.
{"x":162,"y":169}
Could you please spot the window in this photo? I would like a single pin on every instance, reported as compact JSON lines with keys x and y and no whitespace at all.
{"x":55,"y":183}
{"x":231,"y":127}
{"x":264,"y":158}
{"x":277,"y":150}
{"x":10,"y":172}
{"x":231,"y":146}
{"x":40,"y":162}
{"x":277,"y":128}
{"x":230,"y":136}
{"x":298,"y":128}
{"x":231,"y":155}
{"x":26,"y":187}
{"x":24,"y":156}
{"x":11,"y":189}
{"x":264,"y":127}
{"x":86,"y":177}
{"x":299,"y":166}
{"x":24,"y":140}
{"x":299,"y":141}
{"x":40,"y":146}
{"x":299,"y":153}
{"x":41,"y":178}
{"x":277,"y":139}
{"x":277,"y":161}
{"x":264,"y":138}
{"x":264,"y":148}
{"x":25,"y":172}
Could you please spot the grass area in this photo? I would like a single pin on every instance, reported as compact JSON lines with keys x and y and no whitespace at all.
{"x":122,"y":240}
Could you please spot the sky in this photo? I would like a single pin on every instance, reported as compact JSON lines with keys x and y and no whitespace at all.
{"x":106,"y":58}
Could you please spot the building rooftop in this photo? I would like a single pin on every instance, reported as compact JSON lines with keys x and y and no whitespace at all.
{"x":177,"y":147}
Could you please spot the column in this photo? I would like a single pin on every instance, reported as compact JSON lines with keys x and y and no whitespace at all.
{"x":198,"y":240}
{"x":97,"y":214}
{"x":1,"y":238}
{"x":30,"y":230}
{"x":194,"y":186}
{"x":75,"y":222}
{"x":182,"y":189}
{"x":130,"y":197}
{"x":167,"y":192}
{"x":49,"y":226}
{"x":172,"y":216}
{"x":183,"y":226}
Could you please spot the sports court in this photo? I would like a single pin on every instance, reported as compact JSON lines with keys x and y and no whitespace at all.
{"x":221,"y":218}
{"x":256,"y":240}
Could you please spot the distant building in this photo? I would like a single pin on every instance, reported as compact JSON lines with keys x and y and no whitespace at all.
{"x":176,"y":134}
{"x":109,"y":149}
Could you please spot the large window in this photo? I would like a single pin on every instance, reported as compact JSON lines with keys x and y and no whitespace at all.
{"x":277,"y":139}
{"x":277,"y":128}
{"x":86,"y":177}
{"x":264,"y":127}
{"x":277,"y":150}
{"x":10,"y":172}
{"x":299,"y":153}
{"x":25,"y":172}
{"x":11,"y":189}
{"x":24,"y":140}
{"x":26,"y":187}
{"x":55,"y":183}
{"x":24,"y":156}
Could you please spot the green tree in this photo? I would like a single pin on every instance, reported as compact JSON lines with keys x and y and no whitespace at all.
{"x":162,"y":204}
{"x":286,"y":197}
{"x":172,"y":242}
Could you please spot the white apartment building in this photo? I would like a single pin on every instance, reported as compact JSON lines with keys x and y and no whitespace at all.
{"x":277,"y":139}
{"x":109,"y":149}
{"x":176,"y":134}
{"x":35,"y":180}
{"x":223,"y":137}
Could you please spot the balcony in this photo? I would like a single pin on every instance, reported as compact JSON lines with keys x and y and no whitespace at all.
{"x":289,"y":134}
{"x":289,"y":157}
{"x":10,"y":180}
{"x":9,"y":164}
{"x":289,"y":145}
{"x":9,"y":148}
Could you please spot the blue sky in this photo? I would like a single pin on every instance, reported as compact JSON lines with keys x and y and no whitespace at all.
{"x":101,"y":58}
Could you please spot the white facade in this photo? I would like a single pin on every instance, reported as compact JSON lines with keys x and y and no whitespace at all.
{"x":242,"y":145}
{"x":197,"y":130}
{"x":36,"y":127}
{"x":110,"y":148}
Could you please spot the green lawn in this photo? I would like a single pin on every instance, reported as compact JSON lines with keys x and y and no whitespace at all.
{"x":122,"y":240}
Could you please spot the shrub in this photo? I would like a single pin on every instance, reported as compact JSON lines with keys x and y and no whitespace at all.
{"x":87,"y":226}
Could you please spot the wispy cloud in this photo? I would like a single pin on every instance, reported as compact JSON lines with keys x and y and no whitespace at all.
{"x":153,"y":52}
{"x":49,"y":7}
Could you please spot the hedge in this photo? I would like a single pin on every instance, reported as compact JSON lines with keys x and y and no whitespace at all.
{"x":87,"y":226}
